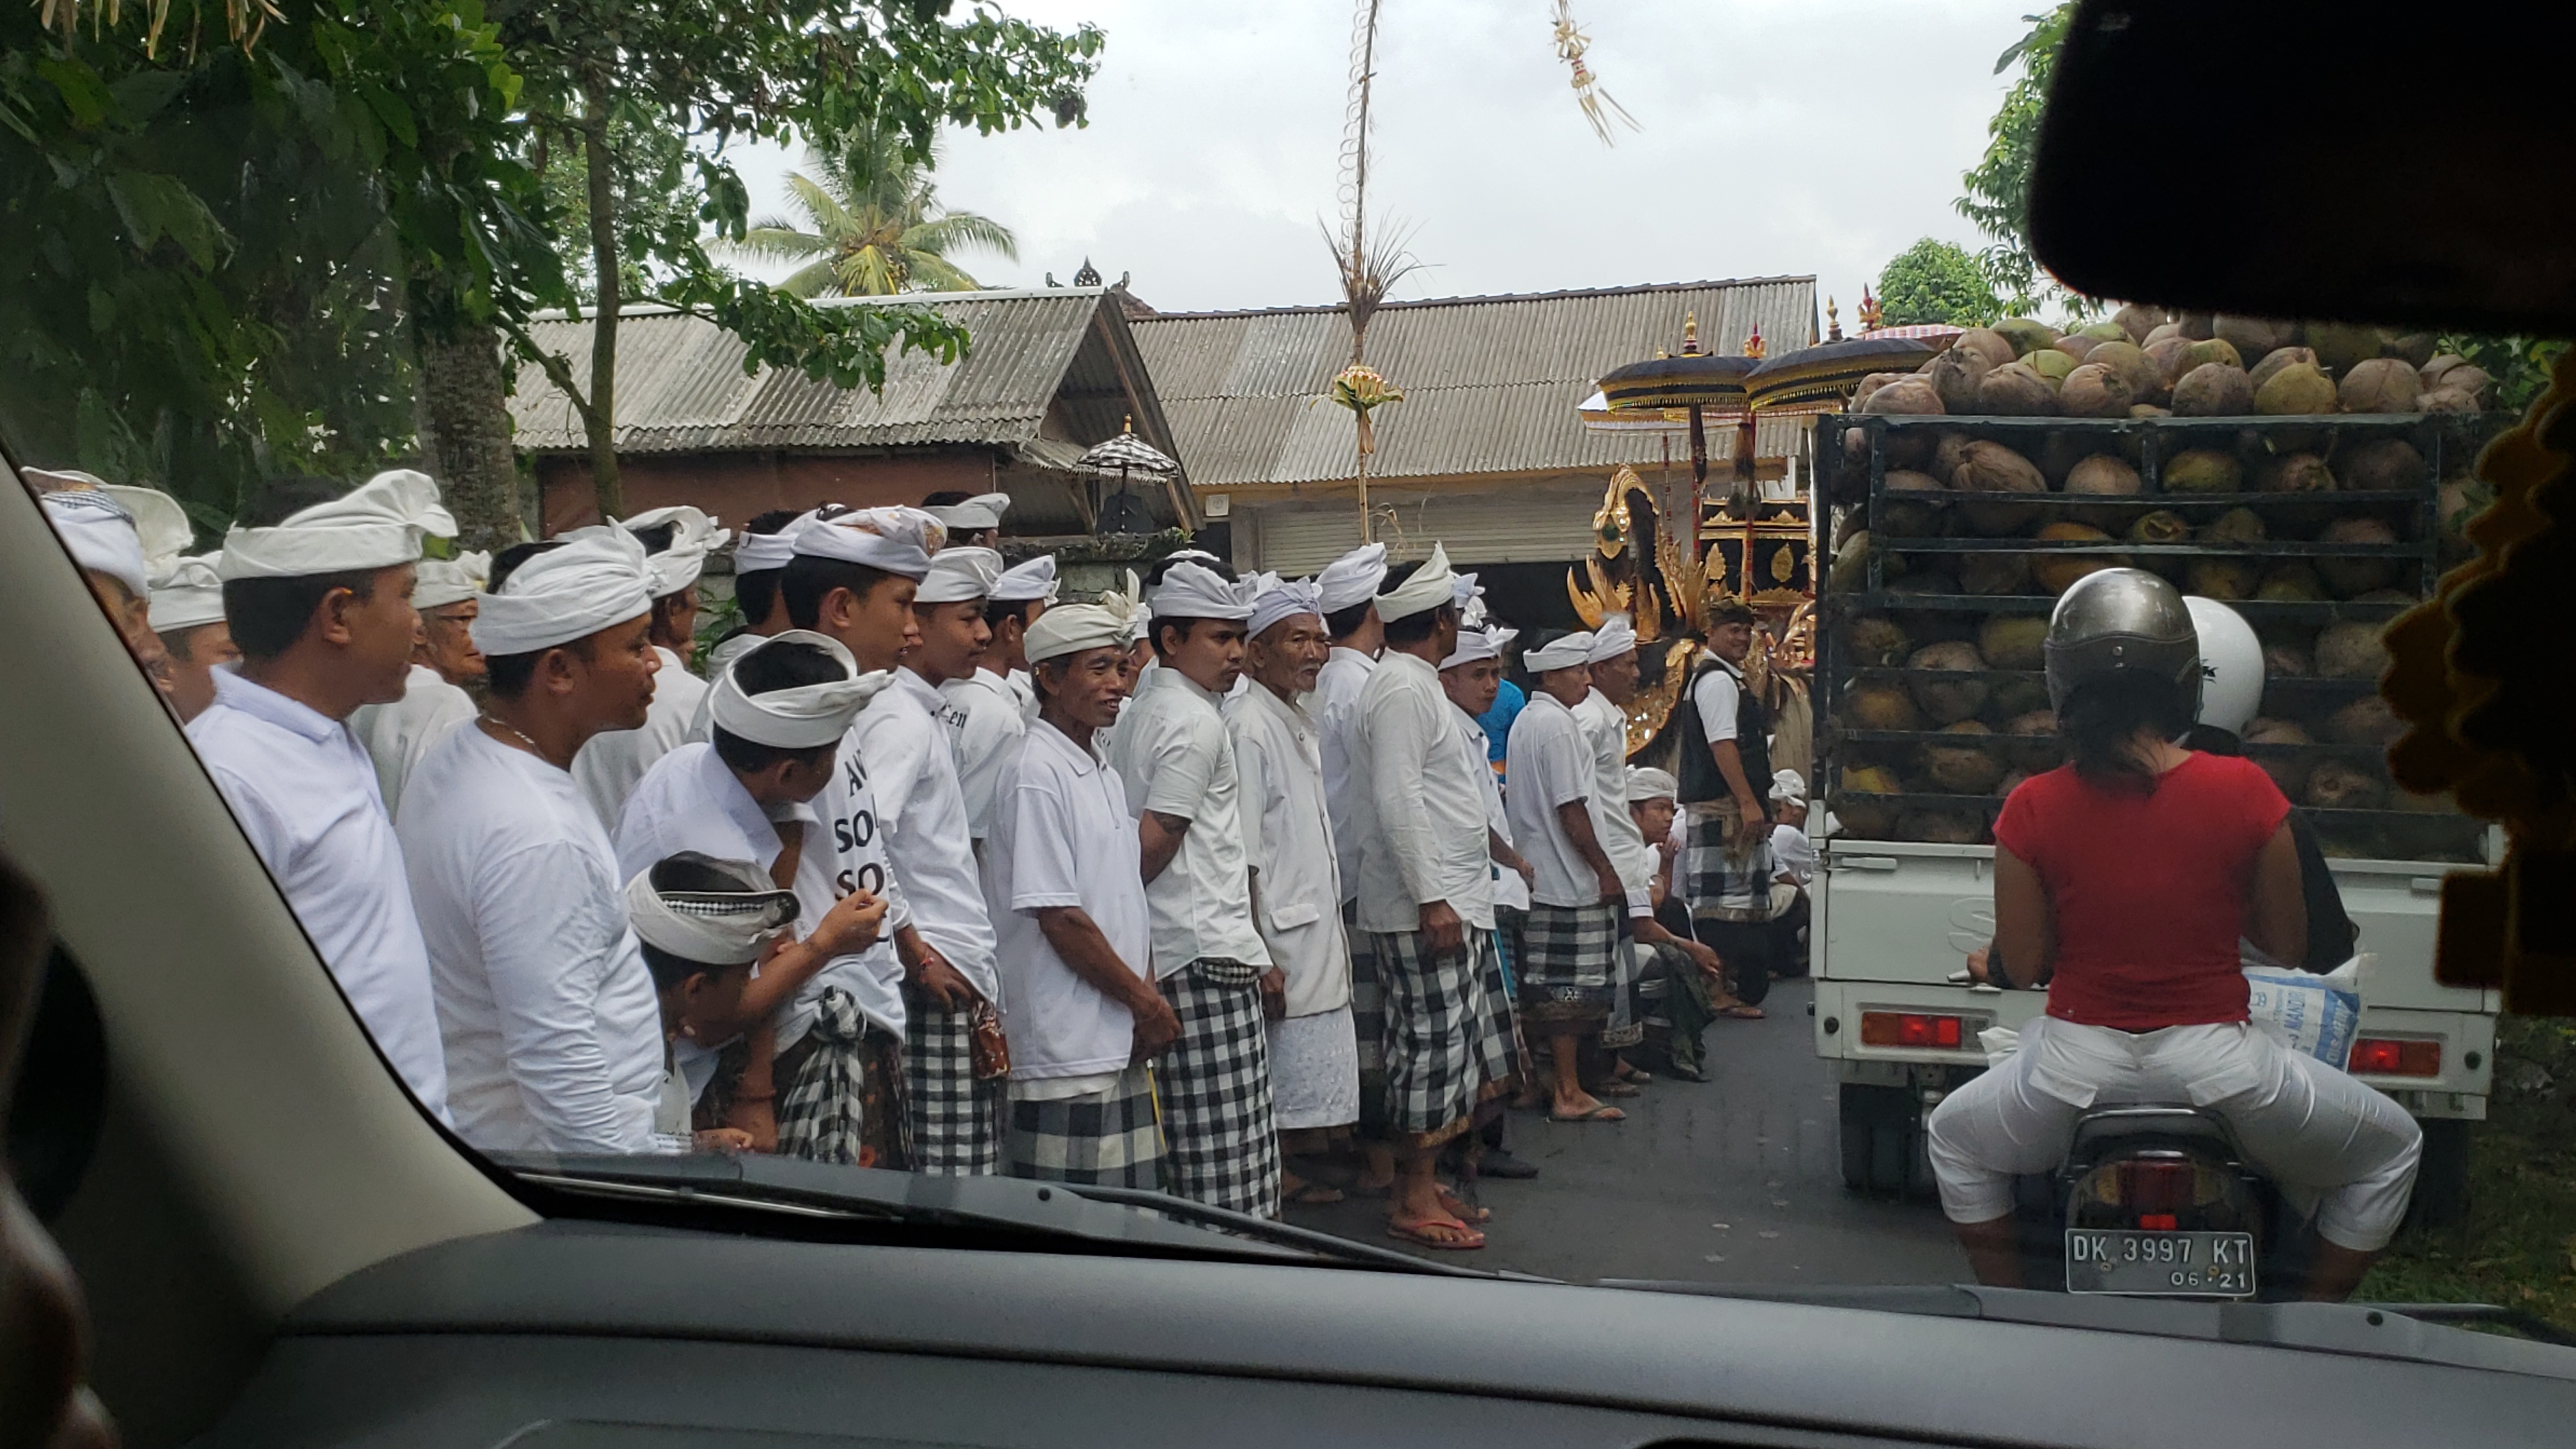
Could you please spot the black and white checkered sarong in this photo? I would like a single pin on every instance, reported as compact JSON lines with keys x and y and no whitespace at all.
{"x":956,"y":1120}
{"x":1567,"y":974}
{"x":1436,"y":1023}
{"x":1221,"y":1140}
{"x":1109,"y":1139}
{"x":846,"y":1102}
{"x":1368,"y":1020}
{"x":1724,"y":880}
{"x":1498,"y":1035}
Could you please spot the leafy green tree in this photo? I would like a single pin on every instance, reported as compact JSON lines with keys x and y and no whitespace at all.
{"x":1997,"y":190}
{"x":1935,"y":281}
{"x":876,"y":225}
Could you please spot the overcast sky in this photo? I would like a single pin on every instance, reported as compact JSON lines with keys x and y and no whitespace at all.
{"x":1780,"y":137}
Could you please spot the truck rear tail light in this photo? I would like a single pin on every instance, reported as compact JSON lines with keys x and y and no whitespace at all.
{"x":2378,"y":1056}
{"x":1911,"y":1029}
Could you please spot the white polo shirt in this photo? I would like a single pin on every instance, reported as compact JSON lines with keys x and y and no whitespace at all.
{"x":1508,"y":887}
{"x":857,"y":837}
{"x":398,"y":735}
{"x":1336,"y":697}
{"x":994,"y":719}
{"x":1062,"y":837}
{"x":1551,"y":764}
{"x":1606,"y":724}
{"x":608,"y":767}
{"x":1176,"y":759}
{"x":912,"y":766}
{"x":305,"y":793}
{"x":1419,"y":812}
{"x":689,"y":800}
{"x":554,"y":1038}
{"x":1288,"y":837}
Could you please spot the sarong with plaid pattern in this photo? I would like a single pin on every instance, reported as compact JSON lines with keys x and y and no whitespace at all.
{"x":956,"y":1120}
{"x":1368,"y":1020}
{"x":1567,"y":974}
{"x":845,"y":1102}
{"x":1438,"y":1024}
{"x":1725,"y":877}
{"x":1107,"y":1139}
{"x":1220,"y":1138}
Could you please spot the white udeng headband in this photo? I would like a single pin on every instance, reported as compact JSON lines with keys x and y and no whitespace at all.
{"x":377,"y":525}
{"x":804,"y":718}
{"x":596,"y":579}
{"x":1072,"y":628}
{"x":1428,"y":588}
{"x":720,"y":929}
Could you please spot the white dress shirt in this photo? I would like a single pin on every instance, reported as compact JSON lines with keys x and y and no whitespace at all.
{"x":690,"y":800}
{"x":1509,"y":888}
{"x":1288,"y":836}
{"x":1175,"y":758}
{"x":305,"y":793}
{"x":1551,"y":764}
{"x":994,"y":721}
{"x":1336,"y":696}
{"x":554,"y":1035}
{"x":857,"y":837}
{"x":1419,"y":812}
{"x":608,"y":767}
{"x":912,"y":764}
{"x":1062,"y":837}
{"x":1607,"y":726}
{"x":398,"y":735}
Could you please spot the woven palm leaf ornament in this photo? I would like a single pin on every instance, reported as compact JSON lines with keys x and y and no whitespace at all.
{"x":1598,"y":107}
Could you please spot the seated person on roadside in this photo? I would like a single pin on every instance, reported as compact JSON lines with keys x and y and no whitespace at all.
{"x":702,"y":923}
{"x":1793,"y":856}
{"x":1682,"y":990}
{"x":1064,"y":878}
{"x":2132,"y":874}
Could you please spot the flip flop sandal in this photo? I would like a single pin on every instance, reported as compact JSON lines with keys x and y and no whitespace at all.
{"x":1741,"y":1012}
{"x":1443,"y":1236}
{"x":1316,"y":1194}
{"x":1602,"y":1113}
{"x":1620,"y":1088}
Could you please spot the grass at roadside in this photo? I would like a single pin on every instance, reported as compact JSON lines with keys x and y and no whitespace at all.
{"x":2517,"y":1247}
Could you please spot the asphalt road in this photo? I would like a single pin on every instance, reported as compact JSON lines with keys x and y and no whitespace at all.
{"x":1737,"y":1180}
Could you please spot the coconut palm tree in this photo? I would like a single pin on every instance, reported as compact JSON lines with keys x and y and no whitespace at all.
{"x":873,"y":224}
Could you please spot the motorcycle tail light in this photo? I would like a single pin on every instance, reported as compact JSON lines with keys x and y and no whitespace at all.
{"x":1912,"y":1029}
{"x":2154,"y":1187}
{"x":2376,"y":1056}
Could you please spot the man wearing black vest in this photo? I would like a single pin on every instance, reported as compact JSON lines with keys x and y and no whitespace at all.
{"x":1726,"y":853}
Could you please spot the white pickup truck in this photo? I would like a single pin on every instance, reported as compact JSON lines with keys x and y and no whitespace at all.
{"x":1894,"y":921}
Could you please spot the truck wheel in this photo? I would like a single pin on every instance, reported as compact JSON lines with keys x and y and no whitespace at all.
{"x":2442,"y":1182}
{"x":1877,"y":1137}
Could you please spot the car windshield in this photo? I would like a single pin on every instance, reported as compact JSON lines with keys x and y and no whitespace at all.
{"x":812,"y":606}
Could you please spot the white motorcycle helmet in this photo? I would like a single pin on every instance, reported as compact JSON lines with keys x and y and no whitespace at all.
{"x":2231,"y":665}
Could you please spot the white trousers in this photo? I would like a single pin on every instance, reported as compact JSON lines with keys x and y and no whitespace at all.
{"x":2323,"y":1137}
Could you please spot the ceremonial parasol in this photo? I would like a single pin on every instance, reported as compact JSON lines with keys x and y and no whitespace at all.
{"x":1123,"y":455}
{"x":1820,"y":379}
{"x":1694,"y":382}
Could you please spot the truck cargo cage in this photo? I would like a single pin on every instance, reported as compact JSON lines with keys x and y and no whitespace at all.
{"x":1920,"y":746}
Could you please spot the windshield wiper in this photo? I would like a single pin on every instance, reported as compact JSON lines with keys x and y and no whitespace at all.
{"x":2411,"y":1331}
{"x":1048,"y":1214}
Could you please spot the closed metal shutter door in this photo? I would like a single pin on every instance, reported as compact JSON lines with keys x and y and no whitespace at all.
{"x":1532,"y":525}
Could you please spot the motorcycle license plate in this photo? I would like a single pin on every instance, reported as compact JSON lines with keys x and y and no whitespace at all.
{"x":2191,"y":1264}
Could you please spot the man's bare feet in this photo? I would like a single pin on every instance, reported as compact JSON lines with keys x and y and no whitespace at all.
{"x":1582,"y":1106}
{"x":1442,"y":1232}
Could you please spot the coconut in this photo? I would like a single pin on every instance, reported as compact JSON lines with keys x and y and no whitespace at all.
{"x":2094,"y":391}
{"x":2350,"y":576}
{"x":2172,"y":357}
{"x":2340,"y":345}
{"x":1949,"y":701}
{"x":2334,"y":785}
{"x":2286,"y":661}
{"x":2415,"y":347}
{"x":2009,"y":783}
{"x":1994,"y":573}
{"x":2131,"y":364}
{"x":2294,"y":473}
{"x":2025,"y":335}
{"x":2197,"y":325}
{"x":2105,"y":330}
{"x":2291,"y":582}
{"x":1863,"y":801}
{"x":2290,"y":772}
{"x":2016,"y":390}
{"x":1963,"y":769}
{"x":1905,"y":397}
{"x":2012,"y":641}
{"x":2160,"y":332}
{"x":2203,"y":470}
{"x":2149,"y":410}
{"x":2211,"y":349}
{"x":2414,"y":804}
{"x":2387,"y":596}
{"x":2057,"y":572}
{"x":1850,"y":571}
{"x":2467,"y":377}
{"x":1883,"y":707}
{"x":2351,"y":651}
{"x":2041,"y":750}
{"x":2432,"y":371}
{"x":1875,"y":639}
{"x":2220,"y":578}
{"x":2162,"y":526}
{"x":2367,"y":721}
{"x":2236,"y":525}
{"x":2448,"y":400}
{"x":1872,"y":383}
{"x":2138,"y":321}
{"x":1991,"y":468}
{"x":2077,"y":345}
{"x":1901,"y":518}
{"x":2381,"y":465}
{"x":2276,"y":359}
{"x":2213,"y":390}
{"x":1988,"y":342}
{"x":1913,"y":480}
{"x":2253,"y":336}
{"x":1935,"y":825}
{"x":2012,"y":697}
{"x":2380,"y":385}
{"x":2050,"y":363}
{"x":1954,"y":374}
{"x":2295,"y":390}
{"x":2103,"y":476}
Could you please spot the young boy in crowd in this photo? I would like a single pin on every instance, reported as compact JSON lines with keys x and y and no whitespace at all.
{"x":701,"y":923}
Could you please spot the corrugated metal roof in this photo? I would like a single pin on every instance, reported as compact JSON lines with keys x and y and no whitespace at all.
{"x":681,"y":386}
{"x":1490,"y":383}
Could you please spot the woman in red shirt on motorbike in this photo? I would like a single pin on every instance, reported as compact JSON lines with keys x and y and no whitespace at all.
{"x":2128,"y":878}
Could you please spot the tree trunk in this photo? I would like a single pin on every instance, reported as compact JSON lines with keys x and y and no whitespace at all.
{"x":466,"y":433}
{"x":601,"y":420}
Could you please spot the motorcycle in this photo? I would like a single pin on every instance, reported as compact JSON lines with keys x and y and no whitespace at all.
{"x":2159,"y":1200}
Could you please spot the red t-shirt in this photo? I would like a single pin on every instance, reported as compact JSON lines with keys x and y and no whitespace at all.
{"x":2149,"y":889}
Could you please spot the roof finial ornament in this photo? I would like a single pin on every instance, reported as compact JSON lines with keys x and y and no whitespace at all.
{"x":1690,"y":334}
{"x":1870,"y":312}
{"x":1833,"y":320}
{"x":1089,"y":276}
{"x":1753,"y":342}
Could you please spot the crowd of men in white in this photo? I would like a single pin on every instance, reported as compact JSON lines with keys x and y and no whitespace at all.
{"x":930,"y":870}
